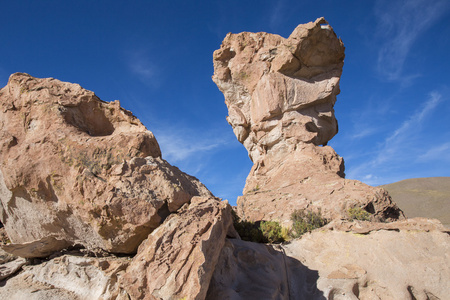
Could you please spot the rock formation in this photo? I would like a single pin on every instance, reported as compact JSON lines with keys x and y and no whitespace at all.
{"x":82,"y":180}
{"x":69,"y":277}
{"x":75,"y":170}
{"x":345,"y":260}
{"x":178,"y":259}
{"x":280,"y":95}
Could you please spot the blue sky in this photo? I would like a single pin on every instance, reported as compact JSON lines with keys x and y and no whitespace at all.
{"x":156,"y":58}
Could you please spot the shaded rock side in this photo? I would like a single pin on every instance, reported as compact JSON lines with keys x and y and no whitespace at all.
{"x":400,"y":260}
{"x":178,"y":258}
{"x":247,"y":270}
{"x":280,"y":95}
{"x":81,"y":170}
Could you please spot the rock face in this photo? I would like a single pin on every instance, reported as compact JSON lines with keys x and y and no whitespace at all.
{"x":178,"y":259}
{"x":345,"y":260}
{"x":76,"y":170}
{"x":280,"y":95}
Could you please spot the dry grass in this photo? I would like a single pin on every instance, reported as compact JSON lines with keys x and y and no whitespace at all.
{"x":423,"y":197}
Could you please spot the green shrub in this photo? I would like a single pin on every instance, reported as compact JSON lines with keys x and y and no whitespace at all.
{"x":259,"y":232}
{"x":248,"y":231}
{"x":272,"y":231}
{"x":304,"y":221}
{"x":358,"y":213}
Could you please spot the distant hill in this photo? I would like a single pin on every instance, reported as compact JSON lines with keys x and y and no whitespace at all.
{"x":423,"y":197}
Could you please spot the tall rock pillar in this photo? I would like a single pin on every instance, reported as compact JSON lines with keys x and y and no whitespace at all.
{"x":280,"y":95}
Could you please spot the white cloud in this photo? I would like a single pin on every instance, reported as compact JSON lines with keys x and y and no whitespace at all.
{"x":141,"y":66}
{"x":180,"y":145}
{"x":362,"y":133}
{"x":199,"y":153}
{"x":440,"y":152}
{"x":276,"y":16}
{"x":400,"y":23}
{"x":189,"y":148}
{"x":400,"y":147}
{"x":394,"y":143}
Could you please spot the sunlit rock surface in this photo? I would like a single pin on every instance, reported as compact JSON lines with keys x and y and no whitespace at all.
{"x":81,"y":170}
{"x":280,"y":95}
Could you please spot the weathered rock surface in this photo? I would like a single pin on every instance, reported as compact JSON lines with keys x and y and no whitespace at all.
{"x":9,"y":268}
{"x":178,"y":259}
{"x":309,"y":178}
{"x":400,"y":260}
{"x":81,"y":170}
{"x":280,"y":95}
{"x":68,"y":277}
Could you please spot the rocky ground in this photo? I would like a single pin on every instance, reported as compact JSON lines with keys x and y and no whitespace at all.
{"x":92,"y":211}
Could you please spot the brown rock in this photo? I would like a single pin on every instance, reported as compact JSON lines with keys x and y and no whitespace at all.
{"x":280,"y":95}
{"x":178,"y":259}
{"x":256,"y":271}
{"x":68,"y":277}
{"x":9,"y":268}
{"x":40,"y":248}
{"x":365,"y":227}
{"x":309,"y":178}
{"x":81,"y":169}
{"x":400,"y":260}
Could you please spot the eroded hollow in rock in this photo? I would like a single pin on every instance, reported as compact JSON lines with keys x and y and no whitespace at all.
{"x":89,"y":117}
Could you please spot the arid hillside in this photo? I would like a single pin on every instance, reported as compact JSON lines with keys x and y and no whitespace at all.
{"x":423,"y":197}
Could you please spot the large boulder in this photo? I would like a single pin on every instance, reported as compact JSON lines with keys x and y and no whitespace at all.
{"x":280,"y":95}
{"x":75,"y":170}
{"x":178,"y":259}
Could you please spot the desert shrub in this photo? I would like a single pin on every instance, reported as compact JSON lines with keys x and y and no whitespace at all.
{"x":272,"y":231}
{"x":304,"y":221}
{"x":248,"y":231}
{"x":259,"y":232}
{"x":358,"y":213}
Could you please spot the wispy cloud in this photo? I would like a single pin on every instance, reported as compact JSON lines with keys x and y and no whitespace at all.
{"x":201,"y":153}
{"x":400,"y":23}
{"x":364,"y":133}
{"x":366,"y":119}
{"x":185,"y":146}
{"x":404,"y":144}
{"x":440,"y":152}
{"x":146,"y":70}
{"x":276,"y":16}
{"x":180,"y":145}
{"x":394,"y":143}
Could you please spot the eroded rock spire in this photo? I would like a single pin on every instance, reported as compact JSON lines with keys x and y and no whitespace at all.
{"x":280,"y":95}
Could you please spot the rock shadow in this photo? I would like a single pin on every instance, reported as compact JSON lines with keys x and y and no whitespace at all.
{"x":247,"y":270}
